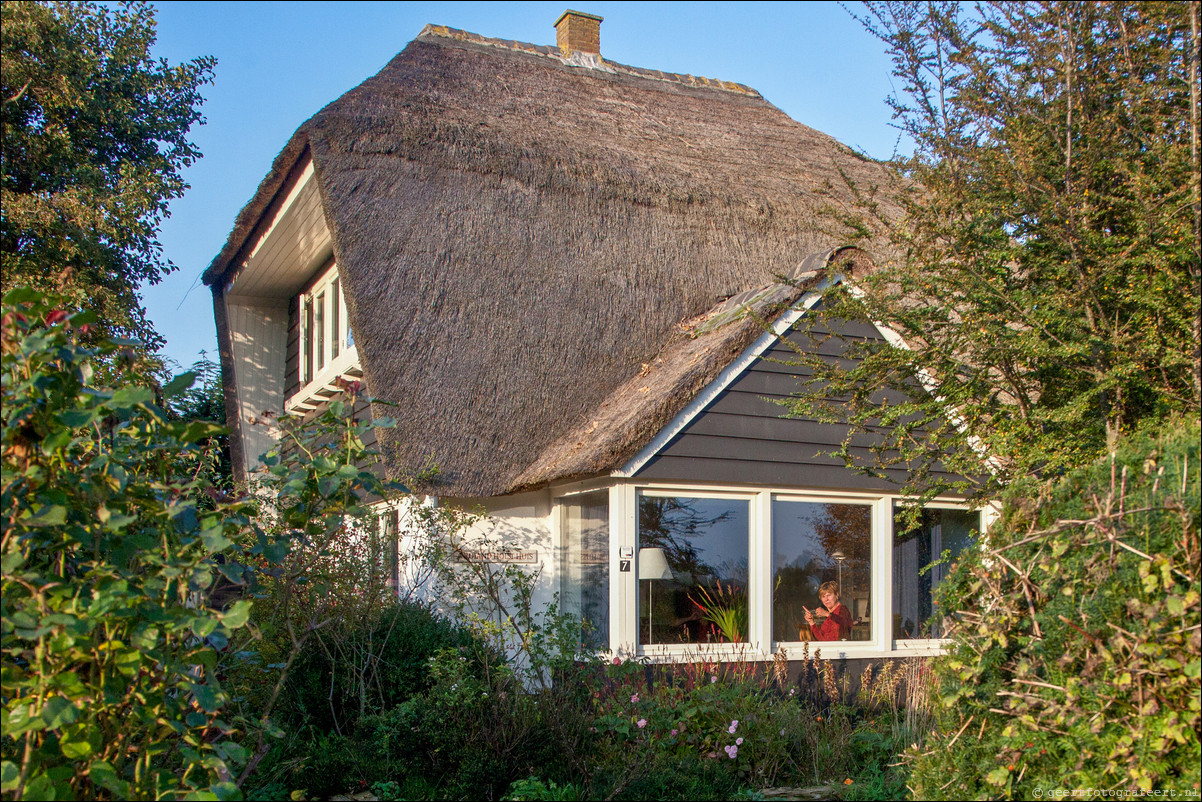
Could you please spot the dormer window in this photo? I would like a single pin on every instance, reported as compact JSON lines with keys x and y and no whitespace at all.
{"x":324,"y":340}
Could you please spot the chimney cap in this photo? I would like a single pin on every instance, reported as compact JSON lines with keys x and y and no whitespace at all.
{"x":573,"y":13}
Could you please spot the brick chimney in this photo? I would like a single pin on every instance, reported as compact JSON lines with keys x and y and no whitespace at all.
{"x":577,"y":31}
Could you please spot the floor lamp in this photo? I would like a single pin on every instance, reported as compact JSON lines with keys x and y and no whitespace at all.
{"x":652,"y":565}
{"x":839,"y":557}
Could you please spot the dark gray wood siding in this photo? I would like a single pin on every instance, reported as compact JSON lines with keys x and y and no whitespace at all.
{"x":743,"y":438}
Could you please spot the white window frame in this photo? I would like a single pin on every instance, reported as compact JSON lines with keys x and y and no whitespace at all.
{"x":335,"y":335}
{"x":623,"y":586}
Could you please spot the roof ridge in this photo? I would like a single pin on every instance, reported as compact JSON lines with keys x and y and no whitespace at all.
{"x":588,"y":61}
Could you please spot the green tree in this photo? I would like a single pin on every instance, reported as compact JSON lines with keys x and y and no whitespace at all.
{"x":94,"y":141}
{"x":1045,"y":276}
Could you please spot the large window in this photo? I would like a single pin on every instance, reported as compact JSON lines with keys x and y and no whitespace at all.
{"x":663,"y":570}
{"x":584,"y":564}
{"x":325,"y":340}
{"x":693,"y":569}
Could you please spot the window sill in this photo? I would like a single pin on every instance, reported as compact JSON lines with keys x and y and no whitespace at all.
{"x":325,"y":385}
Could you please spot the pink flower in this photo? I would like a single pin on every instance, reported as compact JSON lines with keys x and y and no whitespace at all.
{"x":617,"y":661}
{"x":675,"y":733}
{"x":731,"y":751}
{"x":713,"y":679}
{"x":738,"y":741}
{"x":642,"y":723}
{"x":634,"y":700}
{"x":734,"y":725}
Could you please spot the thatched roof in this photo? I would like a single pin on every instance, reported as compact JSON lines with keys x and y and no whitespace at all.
{"x":524,"y":241}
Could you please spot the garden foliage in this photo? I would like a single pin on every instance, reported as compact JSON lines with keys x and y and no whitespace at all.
{"x":110,"y":644}
{"x":1077,"y":657}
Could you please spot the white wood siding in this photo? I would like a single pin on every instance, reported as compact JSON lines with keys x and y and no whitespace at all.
{"x":259,"y":337}
{"x":295,"y":245}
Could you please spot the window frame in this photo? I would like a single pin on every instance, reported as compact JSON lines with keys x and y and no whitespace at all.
{"x":317,"y":372}
{"x":624,"y":587}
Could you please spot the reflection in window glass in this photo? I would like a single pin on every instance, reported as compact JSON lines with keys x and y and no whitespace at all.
{"x":336,"y":312}
{"x":307,"y":341}
{"x":584,"y":565}
{"x":914,"y":576}
{"x":389,"y":563}
{"x":692,"y":569}
{"x":319,"y":325}
{"x":814,"y":543}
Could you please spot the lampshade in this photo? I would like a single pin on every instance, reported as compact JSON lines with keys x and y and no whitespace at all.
{"x":653,"y":564}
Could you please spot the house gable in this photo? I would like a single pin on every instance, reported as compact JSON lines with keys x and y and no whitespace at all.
{"x":743,"y":437}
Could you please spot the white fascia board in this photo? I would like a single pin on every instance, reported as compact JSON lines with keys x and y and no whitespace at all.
{"x":725,"y":378}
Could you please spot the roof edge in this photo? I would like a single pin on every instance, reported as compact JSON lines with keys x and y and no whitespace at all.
{"x":599,"y":64}
{"x":263,"y":206}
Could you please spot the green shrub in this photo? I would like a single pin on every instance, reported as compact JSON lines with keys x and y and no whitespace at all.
{"x":1076,"y":658}
{"x":533,"y":789}
{"x":330,"y":767}
{"x":395,"y":648}
{"x":111,"y":686}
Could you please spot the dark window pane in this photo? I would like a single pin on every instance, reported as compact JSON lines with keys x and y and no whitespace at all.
{"x":319,"y":324}
{"x":914,"y":575}
{"x":335,"y":314}
{"x":307,"y":341}
{"x":390,"y":562}
{"x":692,"y":569}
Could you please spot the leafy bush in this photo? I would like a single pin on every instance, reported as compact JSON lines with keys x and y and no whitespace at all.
{"x":110,"y":645}
{"x":1076,"y":659}
{"x":332,"y":694}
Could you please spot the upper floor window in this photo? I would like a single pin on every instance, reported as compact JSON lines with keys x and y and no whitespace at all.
{"x":325,"y":340}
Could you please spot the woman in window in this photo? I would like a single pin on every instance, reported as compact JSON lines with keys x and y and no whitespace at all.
{"x":837,"y":623}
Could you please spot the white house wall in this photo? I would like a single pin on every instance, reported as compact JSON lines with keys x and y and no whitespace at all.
{"x":519,"y":523}
{"x":259,"y":337}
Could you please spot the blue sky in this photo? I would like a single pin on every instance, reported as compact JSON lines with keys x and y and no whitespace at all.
{"x":278,"y":63}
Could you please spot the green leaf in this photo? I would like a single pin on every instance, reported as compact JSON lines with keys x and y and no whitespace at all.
{"x":237,"y":614}
{"x":180,"y":383}
{"x":128,"y":398}
{"x":202,"y":626}
{"x":145,"y":637}
{"x":20,"y":719}
{"x":9,"y":773}
{"x":58,"y":712}
{"x":225,"y":790}
{"x":41,"y":786}
{"x":75,"y":748}
{"x":128,"y":661}
{"x":78,"y":418}
{"x":998,"y":776}
{"x":47,"y":516}
{"x":102,"y":773}
{"x":207,"y":696}
{"x":198,"y":430}
{"x":12,"y":561}
{"x":214,"y":539}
